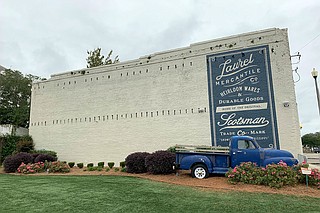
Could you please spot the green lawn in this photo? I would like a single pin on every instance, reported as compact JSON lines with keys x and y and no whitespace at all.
{"x":129,"y":194}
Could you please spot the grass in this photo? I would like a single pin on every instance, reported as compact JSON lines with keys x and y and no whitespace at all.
{"x":129,"y":194}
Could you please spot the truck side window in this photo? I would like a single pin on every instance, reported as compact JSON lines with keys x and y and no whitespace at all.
{"x":241,"y":144}
{"x":245,"y":144}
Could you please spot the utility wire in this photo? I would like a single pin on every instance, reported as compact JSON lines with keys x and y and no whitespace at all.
{"x":308,"y":43}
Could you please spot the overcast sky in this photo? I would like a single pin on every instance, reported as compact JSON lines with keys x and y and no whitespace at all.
{"x":45,"y":37}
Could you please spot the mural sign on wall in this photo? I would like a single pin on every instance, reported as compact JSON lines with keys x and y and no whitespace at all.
{"x":241,"y":96}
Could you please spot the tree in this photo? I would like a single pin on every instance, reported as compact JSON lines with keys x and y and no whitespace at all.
{"x":311,"y":139}
{"x":15,"y":94}
{"x":96,"y":59}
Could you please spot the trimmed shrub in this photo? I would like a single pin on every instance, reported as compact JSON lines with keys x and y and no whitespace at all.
{"x":31,"y":168}
{"x":116,"y":169}
{"x":122,"y":164}
{"x":107,"y":169}
{"x":44,"y":157}
{"x":160,"y":162}
{"x":101,"y":164}
{"x":135,"y":162}
{"x":44,"y":151}
{"x":58,"y":166}
{"x":80,"y":165}
{"x":12,"y":163}
{"x":71,"y":164}
{"x":89,"y":165}
{"x":274,"y":175}
{"x":111,"y":165}
{"x":123,"y":169}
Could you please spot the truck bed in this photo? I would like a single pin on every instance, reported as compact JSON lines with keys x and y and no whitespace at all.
{"x":202,"y":149}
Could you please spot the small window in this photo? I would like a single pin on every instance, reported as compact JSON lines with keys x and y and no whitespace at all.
{"x":151,"y":114}
{"x":69,"y":82}
{"x":75,"y":82}
{"x":147,"y":70}
{"x":160,"y":68}
{"x":175,"y":66}
{"x":141,"y":114}
{"x":98,"y":118}
{"x":91,"y":79}
{"x":190,"y":63}
{"x":191,"y":110}
{"x":168,"y":112}
{"x":168,"y":67}
{"x":133,"y":73}
{"x":162,"y":112}
{"x":89,"y":119}
{"x":85,"y":80}
{"x":103,"y":118}
{"x":108,"y":76}
{"x":146,"y":114}
{"x":97,"y":78}
{"x":174,"y":112}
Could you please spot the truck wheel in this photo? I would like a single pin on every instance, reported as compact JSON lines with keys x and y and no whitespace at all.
{"x":199,"y":171}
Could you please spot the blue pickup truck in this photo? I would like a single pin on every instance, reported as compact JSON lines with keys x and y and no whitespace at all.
{"x":203,"y":160}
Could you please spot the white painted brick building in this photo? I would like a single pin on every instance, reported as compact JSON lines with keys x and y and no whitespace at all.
{"x":154,"y":102}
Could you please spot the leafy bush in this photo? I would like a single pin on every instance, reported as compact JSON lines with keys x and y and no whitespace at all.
{"x":25,"y":144}
{"x":89,"y":165}
{"x":122,"y":164}
{"x":71,"y":164}
{"x":8,"y":145}
{"x":11,"y":163}
{"x":111,"y":165}
{"x":279,"y":175}
{"x":107,"y":169}
{"x":135,"y":162}
{"x":172,"y":149}
{"x":274,"y":175}
{"x":80,"y":165}
{"x":247,"y":172}
{"x":44,"y":151}
{"x":57,"y":166}
{"x":123,"y":169}
{"x":101,"y":164}
{"x":116,"y":169}
{"x":160,"y":162}
{"x":31,"y":168}
{"x":44,"y":157}
{"x":313,"y":178}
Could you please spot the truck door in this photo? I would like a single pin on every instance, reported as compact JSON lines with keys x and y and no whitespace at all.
{"x":246,"y":152}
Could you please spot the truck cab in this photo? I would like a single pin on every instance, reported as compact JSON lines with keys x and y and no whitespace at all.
{"x":202,"y":160}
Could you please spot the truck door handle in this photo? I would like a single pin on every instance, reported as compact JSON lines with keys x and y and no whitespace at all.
{"x":239,"y":151}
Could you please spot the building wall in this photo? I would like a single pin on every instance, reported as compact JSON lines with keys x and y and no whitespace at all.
{"x":151,"y":103}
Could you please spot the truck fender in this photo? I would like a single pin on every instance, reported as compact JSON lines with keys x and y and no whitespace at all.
{"x":289,"y":161}
{"x":188,"y":161}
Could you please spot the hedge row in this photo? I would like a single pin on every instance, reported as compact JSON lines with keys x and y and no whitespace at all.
{"x":11,"y":163}
{"x":274,"y":175}
{"x":159,"y":162}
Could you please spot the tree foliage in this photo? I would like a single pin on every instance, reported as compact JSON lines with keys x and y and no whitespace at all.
{"x":96,"y":59}
{"x":15,"y":94}
{"x":311,"y":139}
